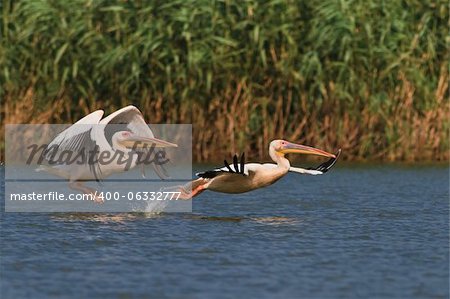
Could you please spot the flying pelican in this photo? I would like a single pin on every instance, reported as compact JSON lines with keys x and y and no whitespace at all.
{"x":118,"y":139}
{"x":240,"y":177}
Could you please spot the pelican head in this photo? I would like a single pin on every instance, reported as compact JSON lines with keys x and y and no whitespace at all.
{"x":131,"y":140}
{"x":282,"y":147}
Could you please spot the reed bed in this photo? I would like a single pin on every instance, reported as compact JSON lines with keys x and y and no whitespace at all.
{"x":368,"y":76}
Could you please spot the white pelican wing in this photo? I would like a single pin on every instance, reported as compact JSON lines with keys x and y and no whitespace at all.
{"x":81,"y":127}
{"x":78,"y":140}
{"x":131,"y":118}
{"x":321,"y":169}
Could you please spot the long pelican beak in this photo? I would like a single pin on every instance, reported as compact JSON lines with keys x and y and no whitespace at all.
{"x":140,"y":142}
{"x":303,"y":149}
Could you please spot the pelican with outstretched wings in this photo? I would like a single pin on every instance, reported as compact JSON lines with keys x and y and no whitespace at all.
{"x":100,"y":147}
{"x":240,"y":177}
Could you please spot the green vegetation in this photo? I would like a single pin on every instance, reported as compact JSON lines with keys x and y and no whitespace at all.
{"x":370,"y":76}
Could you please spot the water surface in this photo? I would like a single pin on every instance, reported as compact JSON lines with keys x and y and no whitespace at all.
{"x":356,"y":232}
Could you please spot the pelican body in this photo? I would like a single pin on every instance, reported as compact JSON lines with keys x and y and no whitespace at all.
{"x":118,"y":140}
{"x":240,"y":177}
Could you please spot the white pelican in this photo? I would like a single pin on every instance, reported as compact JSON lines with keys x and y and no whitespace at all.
{"x":117,"y":140}
{"x":240,"y":177}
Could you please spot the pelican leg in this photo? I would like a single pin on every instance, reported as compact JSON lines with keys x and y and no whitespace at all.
{"x":198,"y":190}
{"x":196,"y":187}
{"x":86,"y":190}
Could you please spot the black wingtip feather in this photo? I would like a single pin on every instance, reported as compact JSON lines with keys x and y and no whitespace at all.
{"x":227,"y":165}
{"x":239,"y":167}
{"x":208,"y":174}
{"x":235,"y":163}
{"x":324,"y":167}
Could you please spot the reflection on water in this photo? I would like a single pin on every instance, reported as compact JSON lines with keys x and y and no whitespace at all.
{"x":104,"y":218}
{"x":353,"y":233}
{"x":137,"y":216}
{"x":275,"y":220}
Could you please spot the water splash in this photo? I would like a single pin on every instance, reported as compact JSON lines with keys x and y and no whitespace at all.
{"x":152,"y":207}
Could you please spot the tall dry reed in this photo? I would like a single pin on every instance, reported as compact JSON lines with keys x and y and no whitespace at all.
{"x":368,"y":76}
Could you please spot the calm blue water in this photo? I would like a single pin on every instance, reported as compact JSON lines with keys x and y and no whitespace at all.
{"x":360,"y":232}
